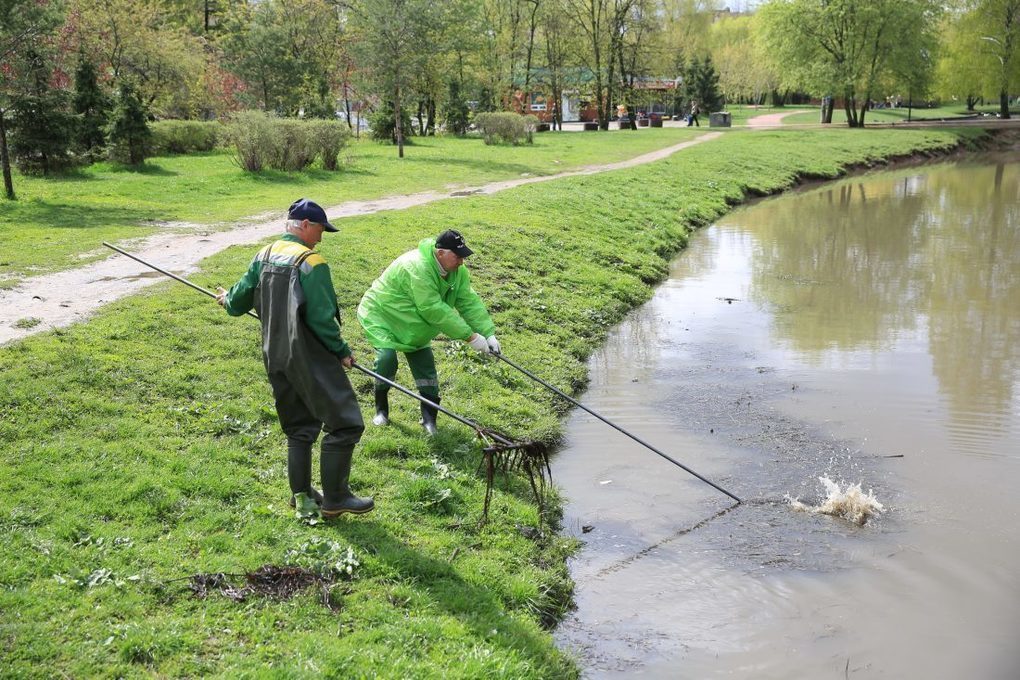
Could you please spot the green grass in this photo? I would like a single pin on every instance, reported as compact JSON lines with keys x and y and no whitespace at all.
{"x":141,"y":447}
{"x":60,"y":222}
{"x":892,"y":115}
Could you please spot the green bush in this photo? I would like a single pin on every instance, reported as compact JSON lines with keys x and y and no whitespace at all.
{"x":506,"y":127}
{"x":251,"y":134}
{"x":328,"y":138}
{"x":293,"y":148}
{"x":184,"y":136}
{"x":262,"y":140}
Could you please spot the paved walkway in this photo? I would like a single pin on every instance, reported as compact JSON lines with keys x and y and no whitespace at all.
{"x":62,"y":298}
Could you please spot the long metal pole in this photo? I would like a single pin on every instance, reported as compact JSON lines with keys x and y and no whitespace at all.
{"x":616,"y":427}
{"x":470,"y":423}
{"x":473,"y":425}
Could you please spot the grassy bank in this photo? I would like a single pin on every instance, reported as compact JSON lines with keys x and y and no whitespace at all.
{"x":141,"y":448}
{"x":58,"y":222}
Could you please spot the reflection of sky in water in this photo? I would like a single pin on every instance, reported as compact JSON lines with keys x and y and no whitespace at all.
{"x":904,"y":278}
{"x":871,"y":339}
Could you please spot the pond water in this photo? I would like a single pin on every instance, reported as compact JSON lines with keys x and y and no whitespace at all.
{"x":864,"y":331}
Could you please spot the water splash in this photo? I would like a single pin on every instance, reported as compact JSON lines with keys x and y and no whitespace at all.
{"x":851,"y":504}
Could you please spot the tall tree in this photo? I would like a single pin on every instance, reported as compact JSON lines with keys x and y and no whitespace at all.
{"x":291,"y":53}
{"x":129,"y":132}
{"x":24,"y":24}
{"x":962,"y":71}
{"x":635,"y":25}
{"x":137,"y":39}
{"x":392,"y":44}
{"x":701,"y":84}
{"x":745,"y":70}
{"x":848,"y":47}
{"x":42,"y":124}
{"x":998,"y":29}
{"x":90,"y":106}
{"x":592,"y":18}
{"x":558,"y":45}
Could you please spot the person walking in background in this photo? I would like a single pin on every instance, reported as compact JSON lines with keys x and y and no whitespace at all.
{"x":424,"y":292}
{"x":692,"y":119}
{"x":290,"y":287}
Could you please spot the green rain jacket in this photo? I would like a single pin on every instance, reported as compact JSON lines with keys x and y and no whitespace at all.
{"x":410,"y":304}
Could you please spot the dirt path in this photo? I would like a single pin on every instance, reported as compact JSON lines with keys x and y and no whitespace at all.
{"x":772,"y":119}
{"x":55,"y":300}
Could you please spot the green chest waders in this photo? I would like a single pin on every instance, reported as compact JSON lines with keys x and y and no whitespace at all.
{"x":311,"y":388}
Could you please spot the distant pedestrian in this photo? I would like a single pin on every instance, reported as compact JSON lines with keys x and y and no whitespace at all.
{"x":290,"y":287}
{"x":692,"y":119}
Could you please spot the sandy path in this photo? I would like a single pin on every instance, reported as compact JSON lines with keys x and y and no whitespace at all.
{"x":62,"y":298}
{"x":773,"y":119}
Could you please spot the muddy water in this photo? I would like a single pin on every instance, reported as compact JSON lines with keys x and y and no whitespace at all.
{"x":867,"y":331}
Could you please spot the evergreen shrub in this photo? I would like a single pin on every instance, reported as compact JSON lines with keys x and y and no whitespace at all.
{"x":383,"y":128}
{"x":184,"y":136}
{"x":41,"y":131}
{"x":129,"y":131}
{"x":91,"y":108}
{"x":456,"y":112}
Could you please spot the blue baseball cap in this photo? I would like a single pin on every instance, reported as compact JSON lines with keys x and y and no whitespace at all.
{"x":303,"y":209}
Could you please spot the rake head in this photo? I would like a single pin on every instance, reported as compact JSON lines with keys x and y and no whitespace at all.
{"x":505,"y":455}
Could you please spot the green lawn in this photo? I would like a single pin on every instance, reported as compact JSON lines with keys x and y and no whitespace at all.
{"x":141,"y":448}
{"x":892,"y":115}
{"x":60,"y":222}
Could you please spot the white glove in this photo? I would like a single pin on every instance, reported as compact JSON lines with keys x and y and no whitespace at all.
{"x":493,"y":344}
{"x":478,"y":343}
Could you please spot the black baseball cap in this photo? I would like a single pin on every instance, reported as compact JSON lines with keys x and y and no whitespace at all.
{"x":452,"y":240}
{"x":303,"y":209}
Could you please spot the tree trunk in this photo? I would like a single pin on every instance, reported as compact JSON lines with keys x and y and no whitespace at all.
{"x":850,"y":107}
{"x":430,"y":113}
{"x":5,"y":160}
{"x":971,"y":102}
{"x":398,"y":129}
{"x":532,"y":25}
{"x":864,"y":109}
{"x":347,"y":107}
{"x":1004,"y":104}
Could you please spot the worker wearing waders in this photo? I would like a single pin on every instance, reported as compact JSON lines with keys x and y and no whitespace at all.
{"x":289,"y":286}
{"x":423,"y":293}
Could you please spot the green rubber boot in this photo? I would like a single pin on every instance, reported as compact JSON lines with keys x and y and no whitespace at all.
{"x":428,"y":414}
{"x":382,"y":408}
{"x":299,"y":470}
{"x":335,"y":466}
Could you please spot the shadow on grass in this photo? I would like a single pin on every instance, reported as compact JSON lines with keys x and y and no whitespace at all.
{"x":75,"y":216}
{"x":143,"y":169}
{"x":475,"y":607}
{"x":477,"y":164}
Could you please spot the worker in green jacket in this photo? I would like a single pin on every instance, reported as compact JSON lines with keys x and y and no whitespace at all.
{"x":290,"y":287}
{"x":423,"y":293}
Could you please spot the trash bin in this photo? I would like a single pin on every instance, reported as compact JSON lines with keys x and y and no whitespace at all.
{"x":719,"y":119}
